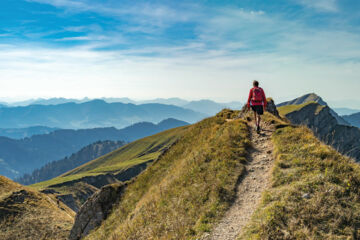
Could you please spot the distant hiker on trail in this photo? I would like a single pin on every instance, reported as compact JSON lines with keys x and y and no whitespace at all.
{"x":257,"y":102}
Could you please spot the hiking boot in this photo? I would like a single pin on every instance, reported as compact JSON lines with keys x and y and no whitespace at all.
{"x":258,"y":129}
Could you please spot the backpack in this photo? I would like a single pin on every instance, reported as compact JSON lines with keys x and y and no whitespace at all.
{"x":257,"y":95}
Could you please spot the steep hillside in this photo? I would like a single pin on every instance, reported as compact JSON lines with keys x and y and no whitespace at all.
{"x":209,"y":107}
{"x":312,"y":97}
{"x":19,"y":133}
{"x":75,"y":186}
{"x":56,"y":168}
{"x":25,"y":155}
{"x":27,"y":214}
{"x":181,"y":194}
{"x":92,"y":114}
{"x":314,"y":192}
{"x":346,"y":139}
{"x":353,"y":119}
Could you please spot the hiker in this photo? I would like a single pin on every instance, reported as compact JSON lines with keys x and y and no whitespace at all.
{"x":257,"y":102}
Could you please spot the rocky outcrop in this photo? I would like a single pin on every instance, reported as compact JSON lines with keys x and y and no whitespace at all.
{"x":313,"y":98}
{"x":132,"y":171}
{"x":345,"y":139}
{"x":95,"y":210}
{"x":81,"y":189}
{"x":310,"y":97}
{"x":271,"y":107}
{"x":97,"y":181}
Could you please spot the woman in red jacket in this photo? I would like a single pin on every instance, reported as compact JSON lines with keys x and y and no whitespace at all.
{"x":257,"y":102}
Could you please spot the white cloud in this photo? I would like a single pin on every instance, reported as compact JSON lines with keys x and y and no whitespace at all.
{"x":189,"y":71}
{"x":141,"y":15}
{"x":232,"y":46}
{"x":321,"y":5}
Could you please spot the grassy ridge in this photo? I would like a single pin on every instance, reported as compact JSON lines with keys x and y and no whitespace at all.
{"x":187,"y":189}
{"x":140,"y":151}
{"x":291,"y":108}
{"x":315,"y":192}
{"x":28,"y":214}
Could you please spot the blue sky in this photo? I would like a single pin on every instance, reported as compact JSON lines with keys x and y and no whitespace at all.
{"x":189,"y":49}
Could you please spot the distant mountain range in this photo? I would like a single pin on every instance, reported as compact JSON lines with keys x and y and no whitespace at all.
{"x":96,"y":113}
{"x":19,"y":133}
{"x":23,"y":156}
{"x":204,"y":106}
{"x":353,"y":119}
{"x":56,"y":168}
{"x":345,"y":111}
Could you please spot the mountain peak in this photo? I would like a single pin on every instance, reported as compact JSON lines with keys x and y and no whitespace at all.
{"x":310,"y":97}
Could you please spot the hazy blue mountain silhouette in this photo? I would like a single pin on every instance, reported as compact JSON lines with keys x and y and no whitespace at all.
{"x":56,"y":168}
{"x":19,"y":133}
{"x":353,"y":119}
{"x":210,"y":107}
{"x":23,"y":156}
{"x":96,"y":113}
{"x":204,"y":106}
{"x":346,"y":111}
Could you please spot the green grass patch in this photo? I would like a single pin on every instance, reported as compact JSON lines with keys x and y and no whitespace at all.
{"x":315,"y":192}
{"x":284,"y":110}
{"x":140,"y":151}
{"x":183,"y":193}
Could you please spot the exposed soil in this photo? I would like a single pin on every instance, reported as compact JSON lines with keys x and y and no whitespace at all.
{"x":249,"y":189}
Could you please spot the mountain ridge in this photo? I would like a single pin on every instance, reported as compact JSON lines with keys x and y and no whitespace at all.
{"x":92,"y":114}
{"x":16,"y":155}
{"x":76,"y":185}
{"x":58,"y":167}
{"x":27,"y":214}
{"x":313,"y":97}
{"x":320,"y":120}
{"x":353,"y":119}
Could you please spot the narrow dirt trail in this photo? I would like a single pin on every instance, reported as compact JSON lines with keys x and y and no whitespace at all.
{"x":250,"y":188}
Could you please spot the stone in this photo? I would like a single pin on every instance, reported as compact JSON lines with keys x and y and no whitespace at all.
{"x":96,"y":209}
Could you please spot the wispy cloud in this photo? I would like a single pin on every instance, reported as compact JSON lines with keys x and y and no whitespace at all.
{"x":165,"y":50}
{"x":141,"y":13}
{"x":321,"y":5}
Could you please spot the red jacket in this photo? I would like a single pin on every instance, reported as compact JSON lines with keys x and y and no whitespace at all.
{"x":249,"y":102}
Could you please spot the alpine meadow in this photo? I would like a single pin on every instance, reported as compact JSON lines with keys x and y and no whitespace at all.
{"x":179,"y":120}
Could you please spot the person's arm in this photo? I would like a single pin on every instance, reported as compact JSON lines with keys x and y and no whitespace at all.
{"x":265,"y":102}
{"x":250,"y":96}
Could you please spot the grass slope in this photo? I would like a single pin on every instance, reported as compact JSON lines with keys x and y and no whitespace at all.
{"x":137,"y":152}
{"x":183,"y":193}
{"x":28,"y":214}
{"x":284,"y":110}
{"x":315,"y":192}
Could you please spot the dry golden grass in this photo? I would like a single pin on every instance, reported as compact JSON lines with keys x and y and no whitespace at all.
{"x":284,"y":110}
{"x":137,"y":152}
{"x":28,"y":214}
{"x":315,"y":192}
{"x":182,"y":194}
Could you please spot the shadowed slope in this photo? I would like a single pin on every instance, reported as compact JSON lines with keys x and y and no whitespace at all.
{"x":75,"y":186}
{"x":27,"y":214}
{"x":183,"y":193}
